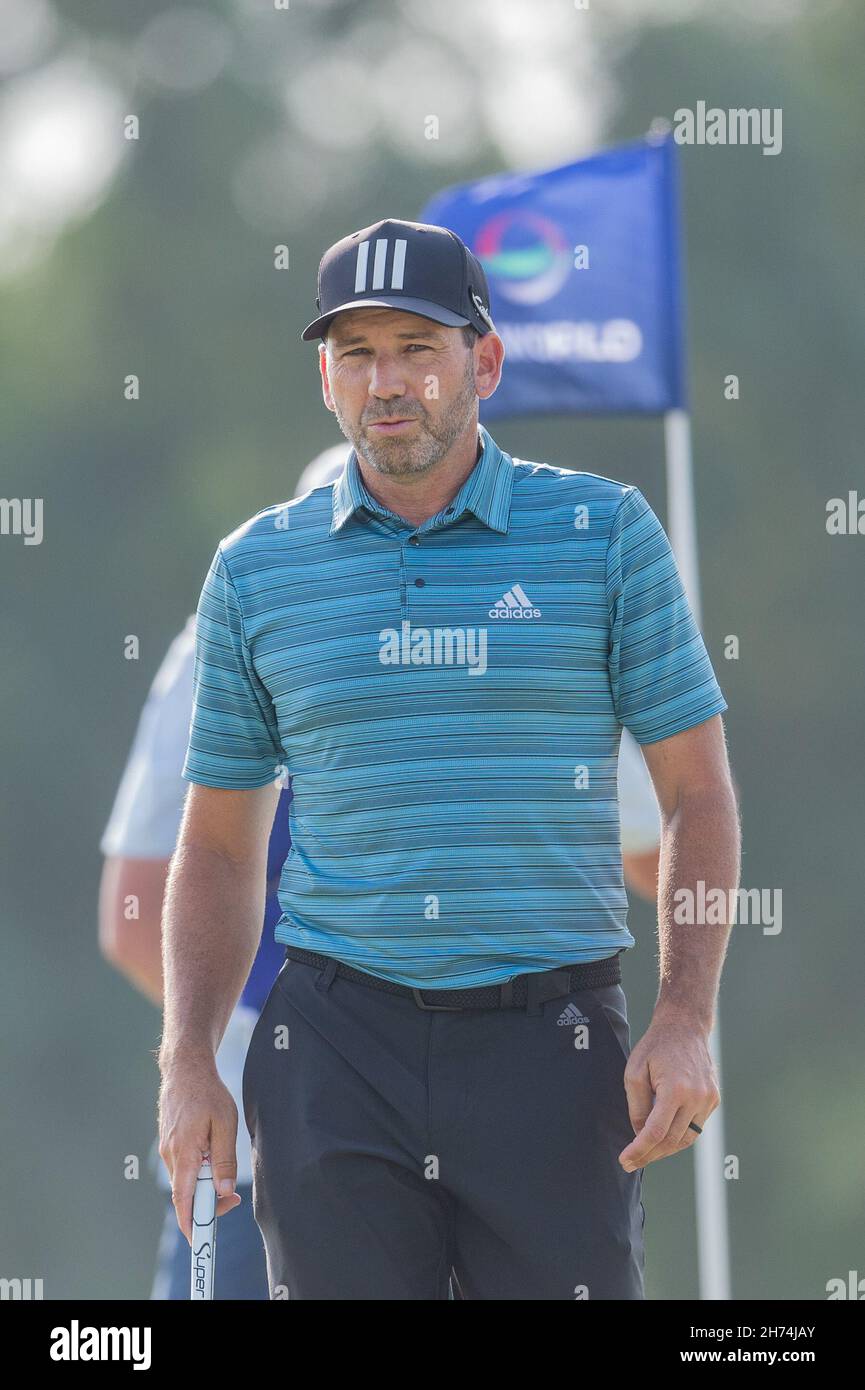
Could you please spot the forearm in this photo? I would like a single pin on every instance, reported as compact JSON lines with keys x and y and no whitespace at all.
{"x":143,"y":969}
{"x":131,"y":894}
{"x":211,"y":928}
{"x":700,"y":843}
{"x":641,"y":873}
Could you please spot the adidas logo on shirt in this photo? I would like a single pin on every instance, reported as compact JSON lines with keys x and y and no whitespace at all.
{"x":571,"y":1017}
{"x":515,"y":604}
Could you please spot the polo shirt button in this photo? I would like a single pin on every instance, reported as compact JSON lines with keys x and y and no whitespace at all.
{"x":413,"y":540}
{"x":420,"y":583}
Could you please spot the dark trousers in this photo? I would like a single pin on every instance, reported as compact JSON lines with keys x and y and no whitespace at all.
{"x":392,"y":1144}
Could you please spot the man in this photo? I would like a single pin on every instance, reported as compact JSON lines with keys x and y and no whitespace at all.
{"x":138,"y":842}
{"x":442,"y":650}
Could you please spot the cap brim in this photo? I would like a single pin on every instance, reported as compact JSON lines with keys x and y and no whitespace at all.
{"x":424,"y":307}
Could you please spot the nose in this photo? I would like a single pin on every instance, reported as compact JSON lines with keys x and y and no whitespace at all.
{"x":386,"y":380}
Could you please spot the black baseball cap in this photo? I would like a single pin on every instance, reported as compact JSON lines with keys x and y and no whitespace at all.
{"x":413,"y":266}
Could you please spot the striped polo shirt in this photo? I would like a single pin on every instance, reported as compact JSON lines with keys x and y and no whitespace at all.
{"x":448,"y":701}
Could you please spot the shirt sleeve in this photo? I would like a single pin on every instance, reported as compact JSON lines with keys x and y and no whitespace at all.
{"x":660,"y":673}
{"x":148,"y":806}
{"x":233,"y":736}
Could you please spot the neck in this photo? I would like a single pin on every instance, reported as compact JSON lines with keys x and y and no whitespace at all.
{"x":417,"y":497}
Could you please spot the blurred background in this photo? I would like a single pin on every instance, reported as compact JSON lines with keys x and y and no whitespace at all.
{"x":155,"y":256}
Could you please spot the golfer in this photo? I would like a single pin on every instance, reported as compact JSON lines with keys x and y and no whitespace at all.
{"x":138,"y":842}
{"x":441,"y":650}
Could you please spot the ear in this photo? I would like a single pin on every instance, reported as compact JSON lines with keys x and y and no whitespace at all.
{"x":325,"y":383}
{"x":489,"y":353}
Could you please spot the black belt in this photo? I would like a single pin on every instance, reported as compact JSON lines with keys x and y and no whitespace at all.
{"x":533,"y":989}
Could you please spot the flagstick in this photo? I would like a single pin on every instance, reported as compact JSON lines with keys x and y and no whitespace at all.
{"x":711,"y":1189}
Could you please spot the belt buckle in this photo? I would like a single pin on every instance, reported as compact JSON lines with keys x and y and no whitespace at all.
{"x":417,"y":995}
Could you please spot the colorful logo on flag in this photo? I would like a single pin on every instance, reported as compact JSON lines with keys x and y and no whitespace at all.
{"x":527,"y":255}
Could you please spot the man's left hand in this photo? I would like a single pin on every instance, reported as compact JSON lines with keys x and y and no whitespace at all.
{"x":670,"y":1080}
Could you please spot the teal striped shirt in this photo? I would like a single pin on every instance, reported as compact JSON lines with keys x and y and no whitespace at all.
{"x":448,"y":700}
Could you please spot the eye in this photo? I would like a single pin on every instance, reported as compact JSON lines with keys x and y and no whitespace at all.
{"x":352,"y":352}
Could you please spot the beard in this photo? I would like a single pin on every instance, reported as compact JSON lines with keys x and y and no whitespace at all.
{"x":398,"y":456}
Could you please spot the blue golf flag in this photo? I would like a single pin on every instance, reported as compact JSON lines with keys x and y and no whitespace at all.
{"x":583,"y":268}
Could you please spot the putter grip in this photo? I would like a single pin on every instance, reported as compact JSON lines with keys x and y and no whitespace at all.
{"x":203,"y":1234}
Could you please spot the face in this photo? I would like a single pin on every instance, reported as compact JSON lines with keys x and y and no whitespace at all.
{"x":385,"y":364}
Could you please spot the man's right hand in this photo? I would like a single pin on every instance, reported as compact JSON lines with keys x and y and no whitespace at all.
{"x":197,"y":1116}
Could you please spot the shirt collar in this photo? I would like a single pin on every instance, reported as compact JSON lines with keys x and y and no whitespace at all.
{"x":486,"y":492}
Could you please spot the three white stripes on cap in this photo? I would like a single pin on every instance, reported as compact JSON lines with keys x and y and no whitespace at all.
{"x":397,"y":269}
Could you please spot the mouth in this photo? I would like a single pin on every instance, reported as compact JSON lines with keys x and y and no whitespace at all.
{"x":392,"y":426}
